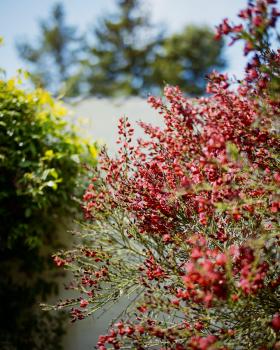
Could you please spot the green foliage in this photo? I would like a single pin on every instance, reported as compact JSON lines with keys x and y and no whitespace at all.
{"x":127,"y":64}
{"x":187,"y":57}
{"x":122,"y":58}
{"x":41,"y":159}
{"x":125,"y":56}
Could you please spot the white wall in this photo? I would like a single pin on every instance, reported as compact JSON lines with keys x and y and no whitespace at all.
{"x":99,"y":117}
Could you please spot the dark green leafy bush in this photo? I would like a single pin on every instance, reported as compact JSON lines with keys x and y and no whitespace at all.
{"x":41,"y":159}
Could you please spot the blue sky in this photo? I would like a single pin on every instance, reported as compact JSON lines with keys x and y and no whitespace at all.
{"x":19,"y":19}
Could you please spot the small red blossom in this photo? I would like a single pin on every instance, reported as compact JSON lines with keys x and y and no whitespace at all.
{"x":203,"y":343}
{"x":275,"y":322}
{"x":59,"y":261}
{"x":84,"y":303}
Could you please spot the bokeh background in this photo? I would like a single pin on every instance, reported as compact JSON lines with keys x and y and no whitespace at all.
{"x":20,"y":22}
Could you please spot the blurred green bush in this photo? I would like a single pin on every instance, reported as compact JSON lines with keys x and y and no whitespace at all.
{"x":41,"y":159}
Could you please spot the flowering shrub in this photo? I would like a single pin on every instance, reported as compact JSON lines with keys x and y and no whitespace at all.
{"x":186,"y":220}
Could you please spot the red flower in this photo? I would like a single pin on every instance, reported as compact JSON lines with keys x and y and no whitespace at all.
{"x":59,"y":261}
{"x":84,"y":303}
{"x":275,"y":323}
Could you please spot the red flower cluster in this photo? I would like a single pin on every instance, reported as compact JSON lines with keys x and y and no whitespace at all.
{"x":205,"y":277}
{"x":259,"y":19}
{"x":206,"y":273}
{"x":187,"y":218}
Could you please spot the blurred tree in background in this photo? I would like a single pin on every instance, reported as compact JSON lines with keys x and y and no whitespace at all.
{"x":41,"y":173}
{"x":126,"y":56}
{"x":122,"y":54}
{"x":54,"y":59}
{"x":186,"y":58}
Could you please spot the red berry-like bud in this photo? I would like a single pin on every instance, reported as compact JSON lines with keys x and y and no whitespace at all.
{"x":83,"y":303}
{"x":275,"y":323}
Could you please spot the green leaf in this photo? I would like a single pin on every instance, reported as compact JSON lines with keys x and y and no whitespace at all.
{"x":221,"y":206}
{"x":75,"y":158}
{"x":52,"y":184}
{"x":28,"y":212}
{"x":232,"y":151}
{"x":45,"y":174}
{"x":53,"y":173}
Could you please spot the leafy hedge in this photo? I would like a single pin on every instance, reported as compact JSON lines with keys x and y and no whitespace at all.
{"x":41,"y":158}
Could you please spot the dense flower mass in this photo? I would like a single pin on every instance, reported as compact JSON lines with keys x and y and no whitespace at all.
{"x":186,"y":221}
